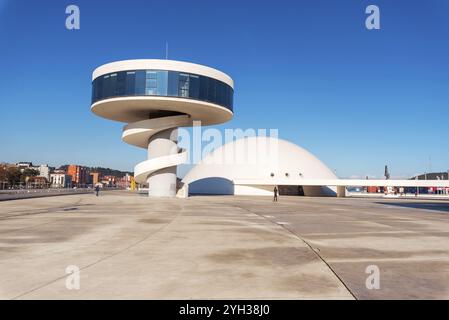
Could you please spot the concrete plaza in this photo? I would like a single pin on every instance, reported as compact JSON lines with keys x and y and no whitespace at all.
{"x":132,"y":247}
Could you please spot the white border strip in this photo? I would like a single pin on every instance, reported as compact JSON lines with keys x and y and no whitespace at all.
{"x":157,"y":64}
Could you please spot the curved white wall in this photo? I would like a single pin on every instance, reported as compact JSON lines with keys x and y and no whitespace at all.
{"x":255,"y":159}
{"x":159,"y":64}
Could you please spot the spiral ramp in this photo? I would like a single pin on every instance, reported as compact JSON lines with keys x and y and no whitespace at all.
{"x":146,"y":132}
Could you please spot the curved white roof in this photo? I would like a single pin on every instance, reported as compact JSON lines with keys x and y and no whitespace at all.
{"x":159,"y":64}
{"x":257,"y":158}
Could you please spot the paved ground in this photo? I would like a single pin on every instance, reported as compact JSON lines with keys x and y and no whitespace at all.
{"x":129,"y":246}
{"x":6,"y":195}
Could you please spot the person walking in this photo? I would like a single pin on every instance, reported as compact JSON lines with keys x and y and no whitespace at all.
{"x":97,"y":189}
{"x":275,"y":191}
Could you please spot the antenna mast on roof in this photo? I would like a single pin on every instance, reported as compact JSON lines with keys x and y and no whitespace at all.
{"x":166,"y":50}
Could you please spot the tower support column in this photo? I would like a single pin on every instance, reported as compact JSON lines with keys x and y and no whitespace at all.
{"x":162,"y":183}
{"x":341,"y":191}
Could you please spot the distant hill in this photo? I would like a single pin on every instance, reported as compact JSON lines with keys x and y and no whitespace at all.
{"x":102,"y":171}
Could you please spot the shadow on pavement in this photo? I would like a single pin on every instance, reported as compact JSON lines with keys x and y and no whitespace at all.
{"x":419,"y":205}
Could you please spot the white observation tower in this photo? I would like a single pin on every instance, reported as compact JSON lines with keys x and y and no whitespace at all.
{"x":154,"y":98}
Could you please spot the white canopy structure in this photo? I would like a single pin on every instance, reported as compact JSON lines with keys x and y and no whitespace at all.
{"x":254,"y":165}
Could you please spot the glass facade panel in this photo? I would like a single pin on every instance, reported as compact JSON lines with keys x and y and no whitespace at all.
{"x":130,"y":83}
{"x":183,"y":85}
{"x":150,"y":91}
{"x":151,"y":74}
{"x":173,"y":82}
{"x":113,"y":84}
{"x":194,"y":86}
{"x":211,"y":90}
{"x":150,"y":83}
{"x":140,"y":83}
{"x":121,"y":84}
{"x":162,"y":83}
{"x":203,"y":88}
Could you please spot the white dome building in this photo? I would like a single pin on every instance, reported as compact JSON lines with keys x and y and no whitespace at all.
{"x":254,"y":165}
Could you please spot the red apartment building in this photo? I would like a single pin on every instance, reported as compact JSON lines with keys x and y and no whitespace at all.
{"x":79,"y":175}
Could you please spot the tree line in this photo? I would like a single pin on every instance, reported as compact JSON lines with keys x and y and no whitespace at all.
{"x":12,"y":175}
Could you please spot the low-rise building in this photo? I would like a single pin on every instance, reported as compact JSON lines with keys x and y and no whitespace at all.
{"x":37,"y":182}
{"x":24,"y":165}
{"x":59,"y":179}
{"x":94,"y":178}
{"x":44,"y":171}
{"x":109,"y":181}
{"x":124,"y":182}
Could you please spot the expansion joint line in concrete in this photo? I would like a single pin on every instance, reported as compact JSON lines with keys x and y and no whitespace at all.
{"x":39,"y":211}
{"x":102,"y":259}
{"x":308,"y":245}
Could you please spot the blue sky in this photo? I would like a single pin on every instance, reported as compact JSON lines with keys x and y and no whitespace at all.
{"x":357,"y":99}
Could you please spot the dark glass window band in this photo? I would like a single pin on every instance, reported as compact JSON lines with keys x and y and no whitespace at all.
{"x":162,"y":83}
